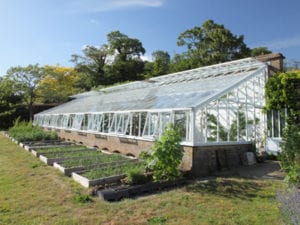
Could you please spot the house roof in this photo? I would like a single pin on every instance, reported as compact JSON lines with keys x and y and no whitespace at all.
{"x":186,"y":89}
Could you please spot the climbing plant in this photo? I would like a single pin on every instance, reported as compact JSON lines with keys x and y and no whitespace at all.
{"x":283,"y":92}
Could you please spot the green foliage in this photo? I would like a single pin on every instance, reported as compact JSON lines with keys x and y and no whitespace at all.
{"x":27,"y":79}
{"x":290,"y":156}
{"x":136,"y":176}
{"x":159,"y":220}
{"x":90,"y":66}
{"x":57,"y":84}
{"x":161,"y":63}
{"x":10,"y":103}
{"x":117,"y":61}
{"x":259,"y":51}
{"x":24,"y":131}
{"x":112,"y":170}
{"x":81,"y":198}
{"x":211,"y":44}
{"x":166,"y":155}
{"x":283,"y":91}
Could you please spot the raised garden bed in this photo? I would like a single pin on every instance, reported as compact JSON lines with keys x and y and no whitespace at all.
{"x":41,"y":143}
{"x":38,"y":152}
{"x":29,"y":147}
{"x":104,"y":175}
{"x":94,"y":163}
{"x":102,"y":158}
{"x":129,"y":191}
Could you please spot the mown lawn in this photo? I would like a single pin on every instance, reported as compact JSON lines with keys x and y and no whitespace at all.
{"x":33,"y":193}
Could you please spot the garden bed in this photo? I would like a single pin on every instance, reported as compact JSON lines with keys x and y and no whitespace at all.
{"x":104,"y":175}
{"x":38,"y":152}
{"x":128,"y":191}
{"x":89,"y":163}
{"x":29,"y":147}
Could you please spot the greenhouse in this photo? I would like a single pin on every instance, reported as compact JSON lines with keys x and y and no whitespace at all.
{"x":219,"y":104}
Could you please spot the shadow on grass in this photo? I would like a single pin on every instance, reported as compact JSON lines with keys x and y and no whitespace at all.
{"x":229,"y":188}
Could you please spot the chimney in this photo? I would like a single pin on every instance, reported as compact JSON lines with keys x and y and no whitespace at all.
{"x":274,"y":60}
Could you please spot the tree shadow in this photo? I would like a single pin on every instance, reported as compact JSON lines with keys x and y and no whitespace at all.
{"x":229,"y":188}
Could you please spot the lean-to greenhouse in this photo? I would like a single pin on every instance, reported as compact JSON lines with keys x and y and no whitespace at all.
{"x":217,"y":108}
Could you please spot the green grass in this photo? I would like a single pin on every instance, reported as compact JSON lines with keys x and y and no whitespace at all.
{"x":32,"y":193}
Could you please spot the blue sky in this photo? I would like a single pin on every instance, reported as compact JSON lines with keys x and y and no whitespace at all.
{"x":50,"y":31}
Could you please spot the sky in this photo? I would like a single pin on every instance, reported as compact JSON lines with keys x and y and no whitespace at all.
{"x":50,"y":31}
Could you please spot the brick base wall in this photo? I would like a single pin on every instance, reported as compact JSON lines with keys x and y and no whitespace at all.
{"x":200,"y":160}
{"x":209,"y":159}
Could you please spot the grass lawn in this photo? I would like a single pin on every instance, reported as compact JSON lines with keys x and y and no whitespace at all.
{"x":33,"y":193}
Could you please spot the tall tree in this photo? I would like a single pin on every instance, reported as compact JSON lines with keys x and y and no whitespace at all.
{"x":127,"y":64}
{"x":10,"y":102}
{"x":211,"y":44}
{"x":57,"y":85}
{"x":90,"y":66}
{"x":126,"y":48}
{"x":161,"y":62}
{"x":27,"y":79}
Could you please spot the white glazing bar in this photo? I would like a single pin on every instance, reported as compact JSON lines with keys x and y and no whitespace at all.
{"x":279,"y":123}
{"x":227,"y":116}
{"x":140,"y":124}
{"x":254,"y":110}
{"x":238,"y":117}
{"x":272,"y":119}
{"x":218,"y":121}
{"x":131,"y":124}
{"x":246,"y":112}
{"x":205,"y":124}
{"x":193,"y":138}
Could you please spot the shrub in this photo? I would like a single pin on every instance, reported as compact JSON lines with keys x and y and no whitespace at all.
{"x":165,"y":156}
{"x":25,"y":131}
{"x":137,"y":176}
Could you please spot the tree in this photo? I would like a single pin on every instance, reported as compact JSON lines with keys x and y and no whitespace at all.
{"x":127,"y":64}
{"x":259,"y":51}
{"x":90,"y":67}
{"x":57,"y":85}
{"x":166,"y":155}
{"x":161,"y":63}
{"x":125,"y":47}
{"x":211,"y":44}
{"x":10,"y":103}
{"x":180,"y":62}
{"x":27,"y":79}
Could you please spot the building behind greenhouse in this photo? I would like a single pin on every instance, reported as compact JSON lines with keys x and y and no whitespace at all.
{"x":219,"y":110}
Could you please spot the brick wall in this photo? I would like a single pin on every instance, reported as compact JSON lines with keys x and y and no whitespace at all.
{"x":200,"y":160}
{"x":209,"y":159}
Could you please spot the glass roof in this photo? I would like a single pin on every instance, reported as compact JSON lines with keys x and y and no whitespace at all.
{"x":186,"y":89}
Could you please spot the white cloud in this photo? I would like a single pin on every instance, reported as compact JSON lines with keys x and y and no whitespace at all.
{"x":281,"y":44}
{"x":92,"y":6}
{"x":146,"y":58}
